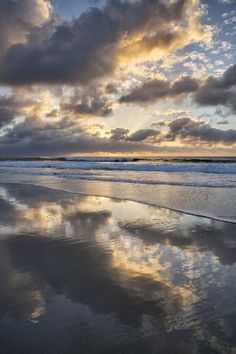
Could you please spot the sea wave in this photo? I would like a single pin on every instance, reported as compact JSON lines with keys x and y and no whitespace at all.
{"x":152,"y":159}
{"x":141,"y":176}
{"x":216,"y":168}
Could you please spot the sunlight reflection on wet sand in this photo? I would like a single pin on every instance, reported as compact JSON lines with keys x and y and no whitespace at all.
{"x":112,"y":275}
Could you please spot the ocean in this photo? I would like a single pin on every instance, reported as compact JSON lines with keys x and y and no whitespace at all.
{"x":199,"y":186}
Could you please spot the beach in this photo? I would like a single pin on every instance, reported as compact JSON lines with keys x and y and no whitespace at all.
{"x":197,"y":186}
{"x":90,"y":274}
{"x":117,"y":177}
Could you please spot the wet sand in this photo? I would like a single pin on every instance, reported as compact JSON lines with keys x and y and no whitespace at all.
{"x":85,"y":274}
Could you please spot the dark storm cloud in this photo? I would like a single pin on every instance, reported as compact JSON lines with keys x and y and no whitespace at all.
{"x":188,"y":129}
{"x":143,"y":134}
{"x":18,"y":18}
{"x":89,"y":102}
{"x":111,"y":88}
{"x":8,"y":110}
{"x":213,"y":91}
{"x":156,"y":89}
{"x":32,"y":138}
{"x":148,"y":92}
{"x":219,"y":91}
{"x":185,"y":85}
{"x":86,"y":48}
{"x":119,"y":134}
{"x":183,"y":129}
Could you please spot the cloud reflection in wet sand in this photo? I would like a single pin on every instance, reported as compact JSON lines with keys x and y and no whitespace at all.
{"x":112,"y":275}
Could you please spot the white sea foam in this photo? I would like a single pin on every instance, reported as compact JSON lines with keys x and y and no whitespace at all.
{"x":200,"y":167}
{"x":206,"y":187}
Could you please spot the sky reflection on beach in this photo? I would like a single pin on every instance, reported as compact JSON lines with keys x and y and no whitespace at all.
{"x":95,"y":274}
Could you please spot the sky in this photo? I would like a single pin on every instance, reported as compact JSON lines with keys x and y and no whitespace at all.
{"x":117,"y":77}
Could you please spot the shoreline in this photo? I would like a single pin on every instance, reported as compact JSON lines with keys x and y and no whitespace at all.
{"x":205,"y":216}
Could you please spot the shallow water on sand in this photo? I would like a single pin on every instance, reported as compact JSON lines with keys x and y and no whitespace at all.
{"x":205,"y":187}
{"x":85,"y":274}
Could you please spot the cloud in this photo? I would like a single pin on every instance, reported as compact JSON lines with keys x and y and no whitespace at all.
{"x":89,"y":102}
{"x":219,"y":91}
{"x":223,"y":112}
{"x":49,"y":130}
{"x":55,"y":67}
{"x":187,"y":129}
{"x":185,"y":85}
{"x":157,"y":89}
{"x":143,"y":134}
{"x":37,"y":137}
{"x":19,"y":104}
{"x":226,"y":1}
{"x":118,"y":134}
{"x":222,"y":122}
{"x":18,"y":18}
{"x":8,"y":109}
{"x":121,"y":134}
{"x":111,"y":88}
{"x":213,"y":91}
{"x":184,"y":130}
{"x":148,"y":92}
{"x":90,"y":47}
